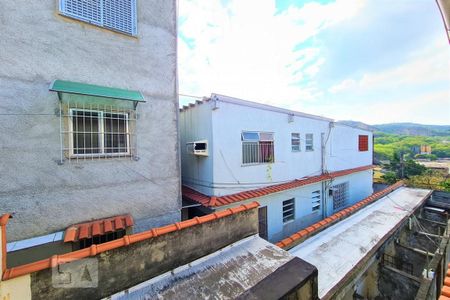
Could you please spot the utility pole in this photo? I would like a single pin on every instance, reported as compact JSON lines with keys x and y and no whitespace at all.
{"x":402,"y":166}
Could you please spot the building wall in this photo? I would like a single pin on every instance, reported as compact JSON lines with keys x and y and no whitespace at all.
{"x":195,"y":125}
{"x":343,"y":151}
{"x":360,"y":187}
{"x":229,"y":173}
{"x":39,"y":46}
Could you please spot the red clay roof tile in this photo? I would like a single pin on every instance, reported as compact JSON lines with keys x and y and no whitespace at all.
{"x":347,"y":211}
{"x":98,"y":227}
{"x":213,"y":201}
{"x":125,"y":241}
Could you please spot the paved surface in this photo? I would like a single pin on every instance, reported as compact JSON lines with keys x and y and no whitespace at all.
{"x":336,"y":250}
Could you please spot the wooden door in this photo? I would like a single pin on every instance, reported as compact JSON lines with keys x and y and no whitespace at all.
{"x":262,"y":218}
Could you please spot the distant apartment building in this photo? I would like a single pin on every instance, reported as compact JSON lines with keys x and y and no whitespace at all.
{"x":301,"y":168}
{"x":88,"y":120}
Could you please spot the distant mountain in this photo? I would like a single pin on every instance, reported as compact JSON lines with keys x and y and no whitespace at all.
{"x":403,"y":128}
{"x":414,"y":129}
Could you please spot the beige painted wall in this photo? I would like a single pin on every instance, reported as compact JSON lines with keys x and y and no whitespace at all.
{"x":16,"y":289}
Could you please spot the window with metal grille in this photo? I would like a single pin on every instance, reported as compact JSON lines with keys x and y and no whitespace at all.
{"x":118,"y":15}
{"x":315,"y":200}
{"x":97,"y":131}
{"x":288,"y":210}
{"x":257,"y":147}
{"x":309,"y":142}
{"x":340,"y":195}
{"x":295,"y":141}
{"x":363,"y":143}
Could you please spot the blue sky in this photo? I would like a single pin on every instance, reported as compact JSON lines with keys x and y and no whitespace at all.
{"x":375,"y":61}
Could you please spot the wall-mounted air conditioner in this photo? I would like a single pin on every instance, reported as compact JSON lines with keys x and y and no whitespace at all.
{"x":198,"y":148}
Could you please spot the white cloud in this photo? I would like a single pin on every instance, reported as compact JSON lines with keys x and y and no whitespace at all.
{"x":245,"y":49}
{"x":425,"y":66}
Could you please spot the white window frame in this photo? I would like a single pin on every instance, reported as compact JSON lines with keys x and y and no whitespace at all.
{"x":101,"y":135}
{"x":243,"y":140}
{"x":291,"y":216}
{"x":309,"y":142}
{"x":316,"y":197}
{"x":64,"y":12}
{"x":296,"y":148}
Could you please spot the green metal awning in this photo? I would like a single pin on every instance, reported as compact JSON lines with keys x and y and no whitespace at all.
{"x":95,"y":91}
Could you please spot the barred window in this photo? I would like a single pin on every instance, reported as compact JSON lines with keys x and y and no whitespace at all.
{"x":257,"y":147}
{"x":295,"y":141}
{"x":97,"y":131}
{"x":309,"y":142}
{"x":118,"y":15}
{"x":315,"y":200}
{"x":340,"y":195}
{"x":288,"y":210}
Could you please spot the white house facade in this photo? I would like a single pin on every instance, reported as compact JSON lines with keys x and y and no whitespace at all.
{"x":299,"y":167}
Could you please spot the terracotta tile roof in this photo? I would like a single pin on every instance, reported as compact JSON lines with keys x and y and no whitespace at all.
{"x":98,"y":227}
{"x":303,"y":234}
{"x":213,"y":201}
{"x":445,"y":291}
{"x":122,"y":242}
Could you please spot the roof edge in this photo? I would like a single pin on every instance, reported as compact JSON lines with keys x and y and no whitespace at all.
{"x":93,"y":250}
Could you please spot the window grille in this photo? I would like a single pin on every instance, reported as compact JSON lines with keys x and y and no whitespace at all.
{"x":91,"y":131}
{"x":340,"y":195}
{"x":363,"y":143}
{"x":119,"y":15}
{"x":295,"y":141}
{"x":315,"y":200}
{"x":257,"y":147}
{"x":288,"y":210}
{"x":309,"y":142}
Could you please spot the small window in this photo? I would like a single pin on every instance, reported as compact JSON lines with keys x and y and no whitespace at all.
{"x":118,"y":15}
{"x":295,"y":141}
{"x":288,"y":210}
{"x":257,"y":147}
{"x":315,"y":200}
{"x":363,"y":143}
{"x":99,"y":133}
{"x":340,"y":195}
{"x":309,"y":142}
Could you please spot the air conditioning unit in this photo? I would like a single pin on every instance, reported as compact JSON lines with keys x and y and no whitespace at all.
{"x":199,"y":148}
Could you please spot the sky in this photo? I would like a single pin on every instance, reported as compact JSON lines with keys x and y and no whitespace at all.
{"x":374,"y":61}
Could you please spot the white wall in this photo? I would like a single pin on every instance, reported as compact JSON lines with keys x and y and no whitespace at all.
{"x":360,"y":187}
{"x":231,"y":176}
{"x":196,"y":124}
{"x":342,"y":148}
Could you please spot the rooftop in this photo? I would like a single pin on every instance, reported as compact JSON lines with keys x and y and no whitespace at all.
{"x":213,"y":201}
{"x":339,"y":248}
{"x":237,"y":101}
{"x":223,"y":274}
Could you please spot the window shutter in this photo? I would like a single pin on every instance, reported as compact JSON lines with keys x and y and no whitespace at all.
{"x":120,"y":15}
{"x":363,"y":143}
{"x":86,"y":10}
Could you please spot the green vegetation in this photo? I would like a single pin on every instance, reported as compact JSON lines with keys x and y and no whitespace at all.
{"x":392,"y":147}
{"x":387,"y":145}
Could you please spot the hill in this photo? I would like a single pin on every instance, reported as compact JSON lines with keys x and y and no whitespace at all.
{"x":403,"y":128}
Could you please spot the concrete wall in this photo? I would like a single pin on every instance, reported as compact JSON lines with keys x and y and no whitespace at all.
{"x":124,"y":267}
{"x":231,"y":175}
{"x":360,"y":186}
{"x":39,"y":46}
{"x":343,"y":151}
{"x":223,"y":119}
{"x":195,"y":125}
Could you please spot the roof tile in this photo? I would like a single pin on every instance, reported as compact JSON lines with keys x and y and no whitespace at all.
{"x":213,"y":201}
